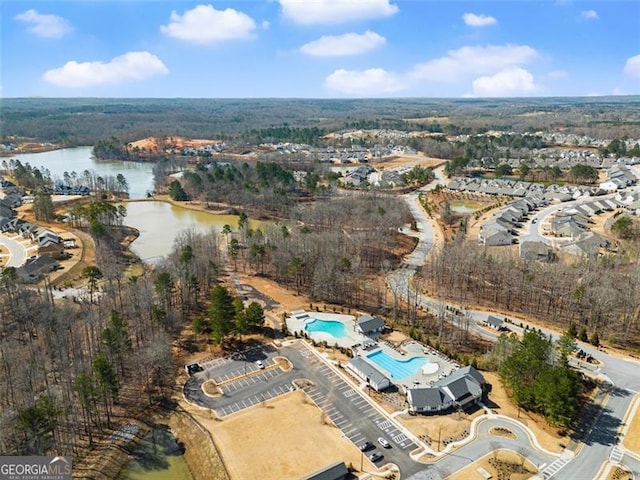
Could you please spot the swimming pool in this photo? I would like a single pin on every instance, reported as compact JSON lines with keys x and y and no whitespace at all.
{"x":333,"y":328}
{"x":398,"y":369}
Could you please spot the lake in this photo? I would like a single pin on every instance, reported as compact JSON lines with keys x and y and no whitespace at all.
{"x":139,"y":175}
{"x":159,"y":223}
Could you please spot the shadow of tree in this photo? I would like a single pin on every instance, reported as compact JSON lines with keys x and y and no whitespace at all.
{"x":597,"y":427}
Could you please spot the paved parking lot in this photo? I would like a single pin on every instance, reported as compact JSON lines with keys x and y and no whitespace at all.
{"x":364,"y":409}
{"x":342,"y":404}
{"x":254,"y":400}
{"x":252,"y":380}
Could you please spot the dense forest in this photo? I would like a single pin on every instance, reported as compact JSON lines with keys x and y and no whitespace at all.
{"x":84,"y":121}
{"x":587,"y":293}
{"x":333,"y":249}
{"x":70,"y":366}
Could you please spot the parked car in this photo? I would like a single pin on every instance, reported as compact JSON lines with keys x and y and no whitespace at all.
{"x":260,"y":365}
{"x":366,"y":446}
{"x":384,"y":443}
{"x":376,"y":456}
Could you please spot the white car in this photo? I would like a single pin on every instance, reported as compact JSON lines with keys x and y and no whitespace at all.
{"x":260,"y":365}
{"x":384,"y":443}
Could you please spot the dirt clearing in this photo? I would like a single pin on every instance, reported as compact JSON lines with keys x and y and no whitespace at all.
{"x":286,"y":438}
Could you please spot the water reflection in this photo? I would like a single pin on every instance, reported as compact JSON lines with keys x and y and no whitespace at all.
{"x":139,"y":175}
{"x":159,"y":223}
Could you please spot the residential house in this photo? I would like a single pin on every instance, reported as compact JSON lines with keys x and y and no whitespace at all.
{"x":633,"y":208}
{"x":7,"y":212}
{"x":368,"y":373}
{"x":34,"y":268}
{"x":565,"y":226}
{"x":12,"y":200}
{"x":535,"y":251}
{"x":494,"y":237}
{"x":50,"y":244}
{"x":587,"y":244}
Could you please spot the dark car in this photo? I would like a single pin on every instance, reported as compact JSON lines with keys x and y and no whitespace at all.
{"x":366,"y":446}
{"x":376,"y":457}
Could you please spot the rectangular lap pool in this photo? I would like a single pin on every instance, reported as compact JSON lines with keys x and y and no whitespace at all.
{"x":398,"y":369}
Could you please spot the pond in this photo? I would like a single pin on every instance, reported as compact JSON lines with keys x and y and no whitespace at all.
{"x":159,"y":223}
{"x":139,"y":175}
{"x":464,"y":208}
{"x":157,"y":457}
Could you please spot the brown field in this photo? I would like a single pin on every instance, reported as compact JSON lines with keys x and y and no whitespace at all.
{"x":285,"y":438}
{"x":505,"y":459}
{"x":397,"y":161}
{"x":428,"y":120}
{"x":154,"y":143}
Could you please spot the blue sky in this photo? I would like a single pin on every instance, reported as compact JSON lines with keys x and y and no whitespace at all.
{"x":319,"y":48}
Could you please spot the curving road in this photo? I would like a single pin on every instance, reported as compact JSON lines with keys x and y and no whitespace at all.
{"x":17,"y":251}
{"x":622,"y":373}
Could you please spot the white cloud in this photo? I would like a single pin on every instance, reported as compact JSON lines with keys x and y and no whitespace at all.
{"x":473,"y":60}
{"x":266,"y":24}
{"x":127,"y":67}
{"x":632,"y":67}
{"x":618,"y":91}
{"x":589,"y":15}
{"x":474,"y":20}
{"x":509,"y":82}
{"x":558,"y":74}
{"x":204,"y":24}
{"x":342,"y":45}
{"x":364,"y":83}
{"x":46,"y":26}
{"x":332,"y":12}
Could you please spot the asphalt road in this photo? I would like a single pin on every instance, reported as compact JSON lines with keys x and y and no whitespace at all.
{"x":623,"y":373}
{"x":17,"y":251}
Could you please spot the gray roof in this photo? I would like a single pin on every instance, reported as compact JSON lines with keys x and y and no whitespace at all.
{"x":423,"y":397}
{"x":534,"y":250}
{"x":374,"y":375}
{"x":336,"y":471}
{"x":367,"y":323}
{"x":471,"y":371}
{"x":495,"y":321}
{"x":463,"y":383}
{"x":462,"y":388}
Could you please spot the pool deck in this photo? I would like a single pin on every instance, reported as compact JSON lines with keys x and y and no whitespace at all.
{"x":297,"y":320}
{"x":410,"y":350}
